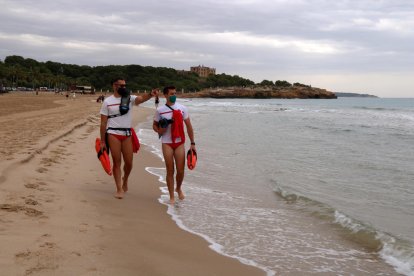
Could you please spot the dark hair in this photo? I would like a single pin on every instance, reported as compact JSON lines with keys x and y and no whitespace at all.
{"x":167,"y":88}
{"x":116,"y":79}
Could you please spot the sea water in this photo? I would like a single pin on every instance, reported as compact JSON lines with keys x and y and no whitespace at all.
{"x":302,"y":186}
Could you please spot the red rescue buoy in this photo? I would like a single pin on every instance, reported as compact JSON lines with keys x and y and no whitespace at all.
{"x":103,"y":157}
{"x":191,"y":159}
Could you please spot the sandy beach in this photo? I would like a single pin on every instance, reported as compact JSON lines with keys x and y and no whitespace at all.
{"x":58,"y":215}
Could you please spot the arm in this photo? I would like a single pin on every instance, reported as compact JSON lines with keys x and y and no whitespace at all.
{"x":104,"y":121}
{"x":146,"y":97}
{"x":157,"y":129}
{"x":190,"y":132}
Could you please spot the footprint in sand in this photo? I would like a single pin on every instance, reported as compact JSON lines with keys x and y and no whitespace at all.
{"x":83,"y":228}
{"x":31,"y":202}
{"x":49,"y":161}
{"x":58,"y":151}
{"x":10,"y":207}
{"x":23,"y":255}
{"x":41,"y":170}
{"x":31,"y":186}
{"x":48,"y":245}
{"x":31,"y":212}
{"x":36,"y":186}
{"x":100,"y":227}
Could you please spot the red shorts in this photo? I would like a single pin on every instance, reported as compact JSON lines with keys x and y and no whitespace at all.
{"x":119,"y":137}
{"x":174,"y":145}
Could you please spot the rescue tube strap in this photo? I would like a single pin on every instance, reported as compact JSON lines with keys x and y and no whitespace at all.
{"x":115,"y":115}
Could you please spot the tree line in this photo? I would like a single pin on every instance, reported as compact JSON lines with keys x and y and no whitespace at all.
{"x":17,"y":71}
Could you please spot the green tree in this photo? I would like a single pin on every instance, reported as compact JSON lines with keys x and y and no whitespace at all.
{"x":283,"y":83}
{"x":267,"y":83}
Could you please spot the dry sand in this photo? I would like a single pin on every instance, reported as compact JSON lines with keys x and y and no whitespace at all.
{"x":57,"y":212}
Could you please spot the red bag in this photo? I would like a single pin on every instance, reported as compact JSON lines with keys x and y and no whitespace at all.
{"x":177,"y":127}
{"x":135,"y":141}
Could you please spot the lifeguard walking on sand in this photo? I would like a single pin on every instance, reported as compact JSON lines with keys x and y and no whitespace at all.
{"x":169,"y":123}
{"x":117,"y":132}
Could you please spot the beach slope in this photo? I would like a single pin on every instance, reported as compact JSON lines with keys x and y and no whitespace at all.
{"x":58,"y":215}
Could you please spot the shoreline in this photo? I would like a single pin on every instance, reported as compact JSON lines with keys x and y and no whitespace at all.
{"x":212,"y":244}
{"x":58,"y":214}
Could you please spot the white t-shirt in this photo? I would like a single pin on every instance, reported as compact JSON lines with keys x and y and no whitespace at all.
{"x":165,"y":112}
{"x":110,"y":107}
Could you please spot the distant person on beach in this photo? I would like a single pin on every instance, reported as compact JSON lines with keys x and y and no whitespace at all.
{"x":100,"y":99}
{"x":117,"y":132}
{"x":169,"y":123}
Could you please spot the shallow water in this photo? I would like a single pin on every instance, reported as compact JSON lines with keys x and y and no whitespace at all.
{"x":303,"y":186}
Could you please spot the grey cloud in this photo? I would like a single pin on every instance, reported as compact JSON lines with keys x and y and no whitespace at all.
{"x":295,"y":37}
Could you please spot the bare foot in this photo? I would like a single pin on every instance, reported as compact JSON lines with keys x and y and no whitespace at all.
{"x":119,"y":195}
{"x":125,"y":185}
{"x":181,"y":195}
{"x":172,"y":201}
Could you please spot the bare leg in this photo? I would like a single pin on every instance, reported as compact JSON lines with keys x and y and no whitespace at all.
{"x":127,"y":155}
{"x":115,"y":146}
{"x":168,"y":153}
{"x":179,"y":157}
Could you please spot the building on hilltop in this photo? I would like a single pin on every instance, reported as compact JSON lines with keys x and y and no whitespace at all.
{"x":203,"y":71}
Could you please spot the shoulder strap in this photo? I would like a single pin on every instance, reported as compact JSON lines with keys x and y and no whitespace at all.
{"x":169,"y":107}
{"x":119,"y":114}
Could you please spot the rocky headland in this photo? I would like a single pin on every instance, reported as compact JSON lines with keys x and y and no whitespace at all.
{"x":348,"y":94}
{"x":292,"y":92}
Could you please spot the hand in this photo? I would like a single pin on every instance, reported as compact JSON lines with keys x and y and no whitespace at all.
{"x":161,"y":130}
{"x":154,"y":92}
{"x":193,"y":147}
{"x":103,"y":146}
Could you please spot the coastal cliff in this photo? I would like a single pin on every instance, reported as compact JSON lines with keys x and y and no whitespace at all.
{"x":292,"y":92}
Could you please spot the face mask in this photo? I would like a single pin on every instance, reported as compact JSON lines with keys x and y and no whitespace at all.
{"x":123,"y":91}
{"x":172,"y":98}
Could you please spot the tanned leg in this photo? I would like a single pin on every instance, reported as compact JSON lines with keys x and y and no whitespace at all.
{"x":127,"y":154}
{"x":115,"y":146}
{"x":179,"y":157}
{"x":168,"y":153}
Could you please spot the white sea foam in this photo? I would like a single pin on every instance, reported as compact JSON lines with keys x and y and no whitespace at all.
{"x":164,"y":199}
{"x":347,"y":222}
{"x":399,"y":255}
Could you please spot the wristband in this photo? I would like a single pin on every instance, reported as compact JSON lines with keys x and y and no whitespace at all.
{"x":192,"y":143}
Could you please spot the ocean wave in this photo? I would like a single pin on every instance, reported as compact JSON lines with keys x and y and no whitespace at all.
{"x":237,"y":106}
{"x":374,"y":108}
{"x":396,"y":252}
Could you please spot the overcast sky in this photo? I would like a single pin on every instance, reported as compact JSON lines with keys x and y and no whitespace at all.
{"x":364,"y":46}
